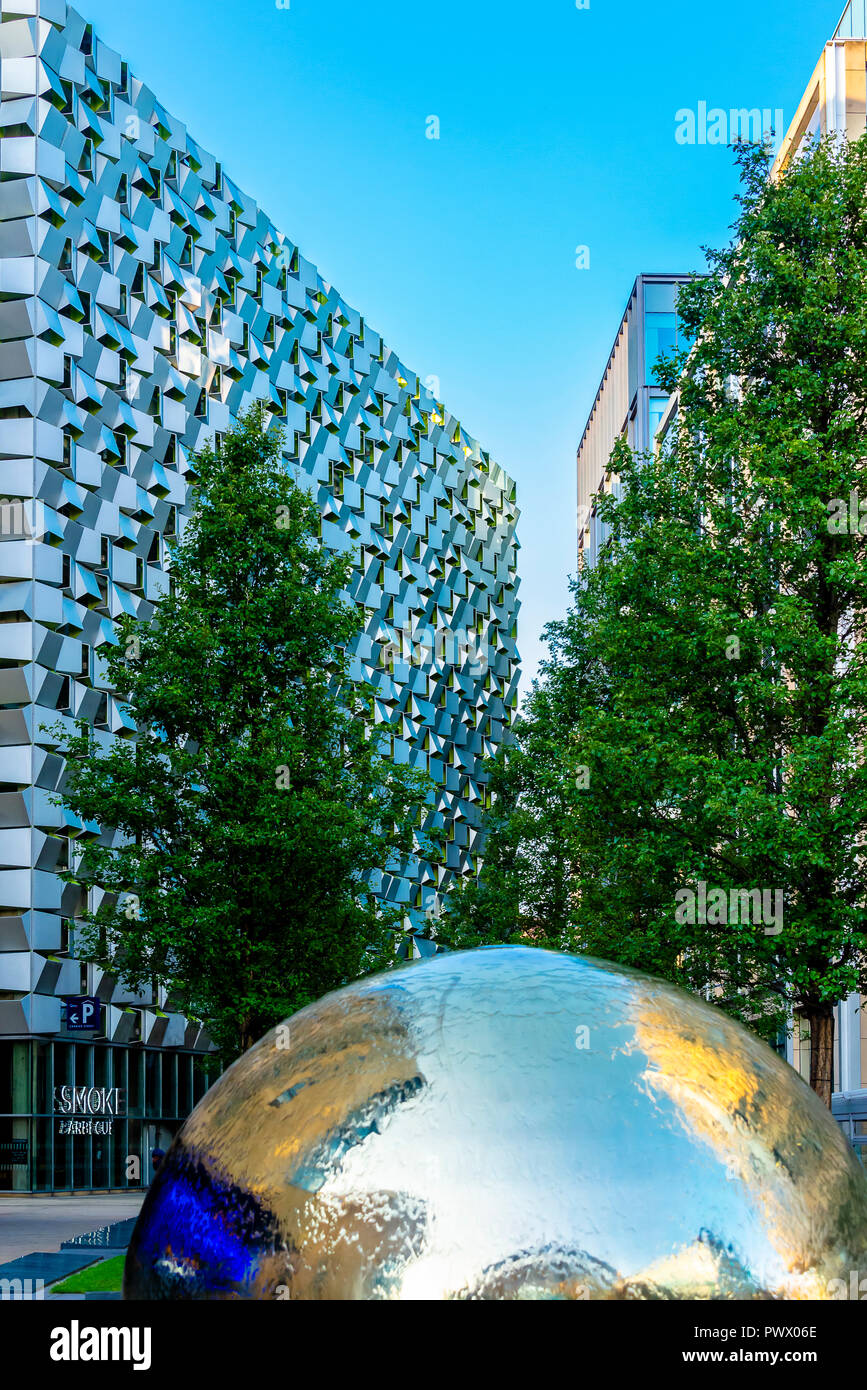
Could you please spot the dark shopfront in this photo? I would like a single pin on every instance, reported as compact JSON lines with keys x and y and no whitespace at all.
{"x":84,"y":1116}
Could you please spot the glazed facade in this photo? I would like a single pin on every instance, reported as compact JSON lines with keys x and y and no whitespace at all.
{"x":629,"y":404}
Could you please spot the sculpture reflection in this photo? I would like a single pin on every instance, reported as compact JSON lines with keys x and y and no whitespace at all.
{"x":436,"y":1132}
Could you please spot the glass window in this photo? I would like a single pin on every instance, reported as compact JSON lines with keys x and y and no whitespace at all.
{"x":684,"y":340}
{"x":42,"y":1078}
{"x":62,"y":1064}
{"x":83,"y":1063}
{"x":6,"y":1055}
{"x":62,"y":1158}
{"x":100,"y":1066}
{"x":14,"y":1079}
{"x":43,"y":1157}
{"x":656,"y":410}
{"x":120,"y":1076}
{"x":201,"y":1080}
{"x":660,"y":298}
{"x":120,"y":1149}
{"x":152,"y":1083}
{"x":81,"y":1160}
{"x":102,"y":1147}
{"x":134,"y":1171}
{"x":14,"y":1155}
{"x":170,"y":1085}
{"x":853,"y":25}
{"x":660,"y":339}
{"x":135,"y":1093}
{"x":185,"y":1083}
{"x":779,"y":1043}
{"x":801,"y":1047}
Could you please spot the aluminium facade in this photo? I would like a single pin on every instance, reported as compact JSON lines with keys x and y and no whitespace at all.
{"x":145,"y":300}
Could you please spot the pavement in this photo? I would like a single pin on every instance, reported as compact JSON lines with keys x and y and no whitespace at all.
{"x":33,"y":1275}
{"x":44,"y":1223}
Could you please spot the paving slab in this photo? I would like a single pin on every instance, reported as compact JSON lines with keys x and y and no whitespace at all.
{"x":44,"y":1223}
{"x":48,"y":1265}
{"x":114,"y":1238}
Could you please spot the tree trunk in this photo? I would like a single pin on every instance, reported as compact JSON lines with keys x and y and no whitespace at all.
{"x":821,"y":1021}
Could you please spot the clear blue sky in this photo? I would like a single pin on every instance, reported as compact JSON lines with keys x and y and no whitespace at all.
{"x":556,"y":130}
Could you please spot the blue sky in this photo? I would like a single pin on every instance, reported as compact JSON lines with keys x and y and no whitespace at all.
{"x":556,"y":130}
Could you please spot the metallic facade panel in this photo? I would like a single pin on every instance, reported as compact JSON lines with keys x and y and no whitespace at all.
{"x":145,"y":300}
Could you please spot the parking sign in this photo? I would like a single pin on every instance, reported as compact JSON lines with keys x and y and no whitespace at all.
{"x":83,"y":1014}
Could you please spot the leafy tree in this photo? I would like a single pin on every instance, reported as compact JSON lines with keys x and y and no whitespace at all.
{"x":247,"y":816}
{"x":522,"y":894}
{"x":710,"y":677}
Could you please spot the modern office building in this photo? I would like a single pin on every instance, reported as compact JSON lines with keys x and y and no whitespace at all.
{"x":629,"y":404}
{"x":835,"y":98}
{"x":835,"y":101}
{"x":145,"y":300}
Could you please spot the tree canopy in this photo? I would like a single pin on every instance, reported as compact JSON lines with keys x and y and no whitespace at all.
{"x":235,"y":838}
{"x":687,"y":792}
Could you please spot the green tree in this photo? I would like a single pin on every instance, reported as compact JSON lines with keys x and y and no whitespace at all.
{"x":233,"y":838}
{"x":711,"y":675}
{"x":522,"y":894}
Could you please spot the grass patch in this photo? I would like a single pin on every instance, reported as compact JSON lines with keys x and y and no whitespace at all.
{"x":104,"y":1277}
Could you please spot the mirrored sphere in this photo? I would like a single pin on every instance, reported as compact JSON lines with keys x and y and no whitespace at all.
{"x":505,"y":1123}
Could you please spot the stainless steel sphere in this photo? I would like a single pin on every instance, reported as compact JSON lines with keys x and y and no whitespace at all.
{"x":500,"y":1124}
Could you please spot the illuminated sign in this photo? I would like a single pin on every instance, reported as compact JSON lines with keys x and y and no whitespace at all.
{"x":87,"y":1108}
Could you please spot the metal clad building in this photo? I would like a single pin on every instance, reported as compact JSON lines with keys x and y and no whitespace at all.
{"x":145,"y":300}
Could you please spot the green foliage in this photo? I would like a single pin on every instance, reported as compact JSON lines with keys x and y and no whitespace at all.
{"x":244,"y":821}
{"x":522,"y":895}
{"x":711,"y":675}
